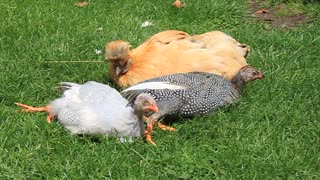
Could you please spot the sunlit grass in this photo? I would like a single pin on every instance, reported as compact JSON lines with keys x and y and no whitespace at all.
{"x":273,"y":132}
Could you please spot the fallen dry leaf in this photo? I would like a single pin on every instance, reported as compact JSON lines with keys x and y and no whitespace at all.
{"x":178,"y":4}
{"x":81,"y":4}
{"x":262,"y":11}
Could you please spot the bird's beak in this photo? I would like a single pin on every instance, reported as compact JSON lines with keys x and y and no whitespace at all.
{"x":260,"y":76}
{"x":123,"y":69}
{"x":118,"y":71}
{"x":154,"y":108}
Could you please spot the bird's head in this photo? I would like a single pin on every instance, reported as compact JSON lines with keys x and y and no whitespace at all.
{"x":249,"y":73}
{"x":145,"y":104}
{"x":117,"y":52}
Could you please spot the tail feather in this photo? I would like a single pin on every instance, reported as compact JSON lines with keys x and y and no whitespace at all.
{"x":63,"y":86}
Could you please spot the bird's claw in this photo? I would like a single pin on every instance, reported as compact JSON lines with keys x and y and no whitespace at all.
{"x":148,"y":131}
{"x":149,"y":139}
{"x":27,"y":108}
{"x":160,"y":125}
{"x":165,"y":127}
{"x":49,"y":118}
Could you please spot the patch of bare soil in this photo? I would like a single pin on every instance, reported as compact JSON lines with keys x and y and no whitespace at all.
{"x":269,"y":14}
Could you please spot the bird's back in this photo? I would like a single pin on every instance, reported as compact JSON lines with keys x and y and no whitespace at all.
{"x":172,"y":52}
{"x":187,"y":94}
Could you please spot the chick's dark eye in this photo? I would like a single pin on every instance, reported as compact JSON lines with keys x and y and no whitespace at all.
{"x":145,"y":103}
{"x":254,"y":73}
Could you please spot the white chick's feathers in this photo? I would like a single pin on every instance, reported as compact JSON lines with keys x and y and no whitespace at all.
{"x":94,"y":108}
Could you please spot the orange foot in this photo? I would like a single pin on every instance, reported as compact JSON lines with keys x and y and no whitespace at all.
{"x":161,"y":126}
{"x":148,"y":132}
{"x":149,"y":139}
{"x":27,"y":108}
{"x":165,"y":127}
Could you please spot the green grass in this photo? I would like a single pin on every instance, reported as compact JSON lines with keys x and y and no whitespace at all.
{"x":273,"y":132}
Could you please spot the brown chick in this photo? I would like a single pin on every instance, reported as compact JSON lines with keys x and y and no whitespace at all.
{"x":173,"y":51}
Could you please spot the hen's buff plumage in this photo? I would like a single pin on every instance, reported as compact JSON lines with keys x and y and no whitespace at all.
{"x":173,"y":51}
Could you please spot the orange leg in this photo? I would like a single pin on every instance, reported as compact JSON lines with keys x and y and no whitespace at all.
{"x":148,"y":132}
{"x":162,"y":126}
{"x":27,"y":108}
{"x":165,"y":127}
{"x":150,"y":123}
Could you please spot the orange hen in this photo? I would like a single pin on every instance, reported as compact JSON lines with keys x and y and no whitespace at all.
{"x":173,"y":51}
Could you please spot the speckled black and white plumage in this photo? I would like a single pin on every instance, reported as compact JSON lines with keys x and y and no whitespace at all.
{"x":186,"y":94}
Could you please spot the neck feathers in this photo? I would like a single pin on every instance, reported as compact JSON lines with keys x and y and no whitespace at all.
{"x":238,"y":82}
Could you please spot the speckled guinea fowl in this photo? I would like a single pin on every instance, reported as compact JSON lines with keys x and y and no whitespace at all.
{"x":95,"y":108}
{"x":192,"y":94}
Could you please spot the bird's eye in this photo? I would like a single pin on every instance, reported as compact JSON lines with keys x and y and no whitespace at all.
{"x":145,"y":103}
{"x":254,"y":73}
{"x":116,"y":63}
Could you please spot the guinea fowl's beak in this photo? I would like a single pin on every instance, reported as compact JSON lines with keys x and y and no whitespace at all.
{"x":154,"y":108}
{"x":260,"y":76}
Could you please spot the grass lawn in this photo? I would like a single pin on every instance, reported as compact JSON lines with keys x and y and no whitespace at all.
{"x":273,"y":132}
